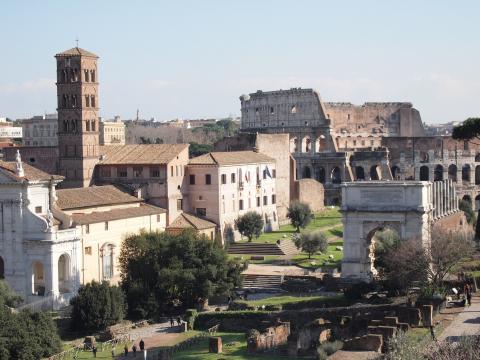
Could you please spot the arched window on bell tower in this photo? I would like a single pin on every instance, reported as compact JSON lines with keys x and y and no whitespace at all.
{"x":92,"y":75}
{"x":92,"y":100}
{"x":65,"y":126}
{"x":87,"y":75}
{"x":93,"y":125}
{"x":87,"y":100}
{"x":74,"y":101}
{"x":88,"y":125}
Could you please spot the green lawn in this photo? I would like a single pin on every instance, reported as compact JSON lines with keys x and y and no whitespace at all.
{"x":321,"y":260}
{"x":287,"y":299}
{"x":234,"y":348}
{"x":324,"y":219}
{"x":106,"y":354}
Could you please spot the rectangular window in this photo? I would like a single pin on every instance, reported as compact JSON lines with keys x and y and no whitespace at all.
{"x":232,"y":178}
{"x":208,"y":179}
{"x":159,"y":217}
{"x":171,"y":171}
{"x":179,"y":204}
{"x":122,"y":172}
{"x":274,"y":173}
{"x":38,"y":209}
{"x":106,"y":225}
{"x":233,"y":205}
{"x":154,"y":172}
{"x":224,"y":178}
{"x":258,"y":201}
{"x":240,"y":204}
{"x":137,"y":171}
{"x":265,"y":174}
{"x":201,"y":211}
{"x":105,"y":171}
{"x":87,"y":229}
{"x":88,"y":250}
{"x":192,"y":179}
{"x":265,"y":200}
{"x":274,"y":199}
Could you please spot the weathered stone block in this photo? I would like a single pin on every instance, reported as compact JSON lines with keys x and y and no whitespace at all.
{"x":390,"y":321}
{"x":409,"y":315}
{"x":215,"y":345}
{"x":371,"y":342}
{"x":427,"y":315}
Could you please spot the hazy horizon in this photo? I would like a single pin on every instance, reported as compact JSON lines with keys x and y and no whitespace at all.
{"x":194,"y":59}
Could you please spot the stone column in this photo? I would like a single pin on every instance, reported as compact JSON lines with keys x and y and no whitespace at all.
{"x":435,"y":199}
{"x":442,"y":197}
{"x":447,"y":196}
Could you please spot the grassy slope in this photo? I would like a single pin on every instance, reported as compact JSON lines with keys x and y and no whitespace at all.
{"x":234,"y":348}
{"x":287,"y":299}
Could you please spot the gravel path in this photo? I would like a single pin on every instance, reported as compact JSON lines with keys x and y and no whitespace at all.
{"x":465,"y":323}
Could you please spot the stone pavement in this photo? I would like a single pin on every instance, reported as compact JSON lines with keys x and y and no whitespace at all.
{"x":465,"y":323}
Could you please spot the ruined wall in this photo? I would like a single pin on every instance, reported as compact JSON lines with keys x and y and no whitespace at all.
{"x":311,"y":192}
{"x":375,"y":118}
{"x":271,"y":338}
{"x":44,"y":158}
{"x":453,"y":222}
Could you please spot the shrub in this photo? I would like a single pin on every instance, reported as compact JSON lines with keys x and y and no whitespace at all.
{"x":190,"y":316}
{"x":232,"y":320}
{"x":252,"y":333}
{"x":273,"y":307}
{"x":96,"y":306}
{"x":321,"y":354}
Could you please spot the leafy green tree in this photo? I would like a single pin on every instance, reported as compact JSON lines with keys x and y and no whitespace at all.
{"x":161,"y":270}
{"x":27,"y":335}
{"x":196,"y":149}
{"x":250,"y":225}
{"x":468,"y":130}
{"x":311,"y":242}
{"x":96,"y":306}
{"x":7,"y":296}
{"x":299,"y":214}
{"x":466,"y":207}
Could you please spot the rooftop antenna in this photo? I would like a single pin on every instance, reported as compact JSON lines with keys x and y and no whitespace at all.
{"x":137,"y":114}
{"x":76,"y":40}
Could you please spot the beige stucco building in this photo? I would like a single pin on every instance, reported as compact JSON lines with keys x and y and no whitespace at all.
{"x":112,"y":132}
{"x":40,"y":130}
{"x":225,"y":185}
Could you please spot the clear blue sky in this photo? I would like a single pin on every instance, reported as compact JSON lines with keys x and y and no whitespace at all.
{"x":194,"y":59}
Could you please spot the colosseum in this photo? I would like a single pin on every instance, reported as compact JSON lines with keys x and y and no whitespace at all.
{"x":336,"y":142}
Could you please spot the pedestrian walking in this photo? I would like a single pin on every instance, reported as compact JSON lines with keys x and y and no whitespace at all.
{"x":172,"y":322}
{"x":94,"y":351}
{"x":468,"y":294}
{"x":125,"y":350}
{"x":142,"y":345}
{"x":134,"y":350}
{"x":432,"y":333}
{"x":179,"y":321}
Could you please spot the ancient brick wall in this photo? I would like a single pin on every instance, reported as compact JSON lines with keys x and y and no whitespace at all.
{"x":271,"y":338}
{"x":44,"y":158}
{"x":311,"y":192}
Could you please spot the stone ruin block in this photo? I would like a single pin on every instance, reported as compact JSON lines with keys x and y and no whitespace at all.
{"x":427,"y":315}
{"x":387,"y":333}
{"x":292,"y":346}
{"x":370,"y":342}
{"x":410,"y":315}
{"x":215,"y":345}
{"x":271,"y":338}
{"x":390,"y":321}
{"x":376,"y":322}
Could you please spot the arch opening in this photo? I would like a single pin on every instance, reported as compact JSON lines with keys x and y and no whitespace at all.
{"x":375,"y":172}
{"x":38,"y":279}
{"x":396,"y":172}
{"x":438,"y":173}
{"x":424,"y":173}
{"x":380,"y":240}
{"x":306,"y":144}
{"x":452,"y":172}
{"x":320,"y":174}
{"x":466,"y":173}
{"x":360,"y":173}
{"x":306,"y":172}
{"x":64,"y":276}
{"x":293,"y":145}
{"x":336,"y":175}
{"x":477,"y":175}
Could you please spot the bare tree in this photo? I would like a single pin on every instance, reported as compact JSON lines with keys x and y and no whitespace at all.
{"x":447,"y":249}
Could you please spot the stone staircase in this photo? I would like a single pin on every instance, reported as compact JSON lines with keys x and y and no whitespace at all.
{"x":286,"y":247}
{"x":267,"y":283}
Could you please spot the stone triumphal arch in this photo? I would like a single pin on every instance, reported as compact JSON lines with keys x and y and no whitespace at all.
{"x":410,"y":208}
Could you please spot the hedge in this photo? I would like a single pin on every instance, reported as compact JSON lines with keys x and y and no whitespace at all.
{"x":232,"y":320}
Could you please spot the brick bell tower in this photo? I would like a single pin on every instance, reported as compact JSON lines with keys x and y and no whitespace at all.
{"x":78,"y":110}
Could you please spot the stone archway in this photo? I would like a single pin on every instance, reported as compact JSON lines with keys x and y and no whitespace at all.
{"x":374,"y":235}
{"x":368,"y":207}
{"x":424,"y":173}
{"x":360,"y":173}
{"x":306,"y":172}
{"x":64,"y":275}
{"x":38,"y":278}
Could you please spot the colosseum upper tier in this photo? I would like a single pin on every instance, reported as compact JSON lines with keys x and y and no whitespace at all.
{"x":334,"y":142}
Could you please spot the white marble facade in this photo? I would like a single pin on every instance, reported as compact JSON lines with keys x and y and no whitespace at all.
{"x":37,"y":259}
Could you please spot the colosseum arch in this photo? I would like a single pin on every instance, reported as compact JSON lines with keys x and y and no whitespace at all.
{"x":359,"y":173}
{"x":477,"y":175}
{"x":306,"y":144}
{"x":293,"y":145}
{"x":336,"y":175}
{"x":424,"y":173}
{"x":452,"y":172}
{"x":320,"y":174}
{"x":306,"y":172}
{"x":375,"y":173}
{"x":320,"y":144}
{"x":438,"y":173}
{"x":396,"y":172}
{"x":466,"y":173}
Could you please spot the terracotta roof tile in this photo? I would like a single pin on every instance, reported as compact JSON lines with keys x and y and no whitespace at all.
{"x":140,"y":154}
{"x":31,"y":173}
{"x":231,"y":158}
{"x":117,"y":214}
{"x":76,"y":51}
{"x":93,"y":196}
{"x":188,"y":221}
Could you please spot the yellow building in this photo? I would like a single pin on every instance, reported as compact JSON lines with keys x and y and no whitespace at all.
{"x":104,"y":216}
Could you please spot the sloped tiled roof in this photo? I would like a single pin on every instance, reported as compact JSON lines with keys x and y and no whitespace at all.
{"x":93,"y":196}
{"x":231,"y":158}
{"x":76,"y":51}
{"x":117,"y":214}
{"x":140,"y":154}
{"x":31,"y":173}
{"x":188,"y":221}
